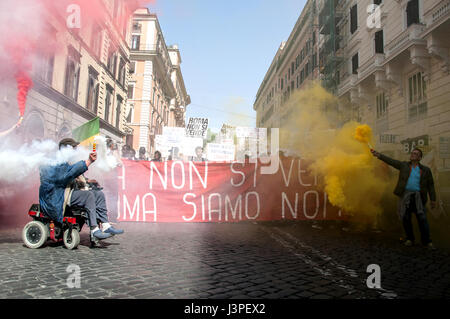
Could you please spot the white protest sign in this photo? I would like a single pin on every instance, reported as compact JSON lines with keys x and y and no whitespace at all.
{"x":197,"y":127}
{"x":174,"y":136}
{"x":220,"y":152}
{"x":161,"y":145}
{"x":189,"y":145}
{"x":246,"y":132}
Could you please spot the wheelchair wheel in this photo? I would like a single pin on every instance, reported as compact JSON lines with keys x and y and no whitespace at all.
{"x":35,"y":234}
{"x":72,"y":241}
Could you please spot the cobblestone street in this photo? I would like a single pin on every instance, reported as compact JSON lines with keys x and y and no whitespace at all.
{"x":220,"y":260}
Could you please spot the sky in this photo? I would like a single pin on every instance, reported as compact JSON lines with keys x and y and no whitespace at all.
{"x":226,"y":49}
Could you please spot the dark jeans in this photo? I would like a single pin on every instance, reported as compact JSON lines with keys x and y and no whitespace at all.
{"x":111,"y":188}
{"x":421,"y":220}
{"x":95,"y":204}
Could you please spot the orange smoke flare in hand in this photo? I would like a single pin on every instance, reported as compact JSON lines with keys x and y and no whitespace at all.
{"x":24,"y":83}
{"x":363,"y":133}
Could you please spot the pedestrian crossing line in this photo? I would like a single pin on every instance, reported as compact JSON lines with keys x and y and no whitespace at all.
{"x":326,"y":272}
{"x":347,"y":270}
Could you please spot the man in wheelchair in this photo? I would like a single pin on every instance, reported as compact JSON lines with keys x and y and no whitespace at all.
{"x":64,"y":185}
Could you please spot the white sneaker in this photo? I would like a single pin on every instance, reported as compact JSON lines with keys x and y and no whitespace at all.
{"x":408,"y":243}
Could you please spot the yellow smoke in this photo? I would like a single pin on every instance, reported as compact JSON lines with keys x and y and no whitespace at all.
{"x":363,"y":133}
{"x":319,"y":128}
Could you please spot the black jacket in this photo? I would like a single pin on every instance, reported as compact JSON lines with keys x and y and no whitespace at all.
{"x":426,"y":178}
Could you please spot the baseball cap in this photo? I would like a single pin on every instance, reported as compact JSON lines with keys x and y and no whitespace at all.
{"x":68,"y":142}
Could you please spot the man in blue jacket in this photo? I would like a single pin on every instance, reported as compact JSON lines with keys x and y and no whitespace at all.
{"x":56,"y":192}
{"x":415,"y":184}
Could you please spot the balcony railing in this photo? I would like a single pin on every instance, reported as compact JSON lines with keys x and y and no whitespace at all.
{"x":370,"y":66}
{"x":147,"y":47}
{"x":440,"y":11}
{"x":401,"y":42}
{"x":347,"y":83}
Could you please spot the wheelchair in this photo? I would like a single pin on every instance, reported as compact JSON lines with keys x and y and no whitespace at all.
{"x":42,"y":228}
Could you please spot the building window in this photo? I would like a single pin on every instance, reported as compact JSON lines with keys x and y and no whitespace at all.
{"x":129,"y":118}
{"x":130,"y":93}
{"x":158,"y":103}
{"x":132,"y":67}
{"x":96,"y":41}
{"x":108,"y":102}
{"x":353,"y":19}
{"x":116,"y":8}
{"x":382,"y":105}
{"x":112,"y":62}
{"x":72,"y":74}
{"x":412,"y":12}
{"x":379,"y":42}
{"x":417,"y":97}
{"x":136,"y":27}
{"x":92,"y":93}
{"x":122,"y":72}
{"x":34,"y":127}
{"x":64,"y":132}
{"x":118,"y":110}
{"x":44,"y":66}
{"x":281,"y":83}
{"x":355,"y":64}
{"x":44,"y":70}
{"x":314,"y":61}
{"x":153,"y":98}
{"x":135,"y":42}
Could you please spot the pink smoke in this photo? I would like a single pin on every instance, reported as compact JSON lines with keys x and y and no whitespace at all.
{"x":25,"y":38}
{"x":24,"y":83}
{"x":30,"y":38}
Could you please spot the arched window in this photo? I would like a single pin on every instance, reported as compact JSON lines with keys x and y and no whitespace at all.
{"x":64,"y":132}
{"x":34,"y":127}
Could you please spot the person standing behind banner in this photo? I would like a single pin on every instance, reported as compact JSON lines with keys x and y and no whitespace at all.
{"x":132,"y":154}
{"x":198,"y":155}
{"x":125,"y":151}
{"x":111,"y":183}
{"x":157,"y":157}
{"x":142,"y":156}
{"x":415,"y":183}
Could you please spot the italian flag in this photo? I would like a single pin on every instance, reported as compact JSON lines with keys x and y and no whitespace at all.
{"x":86,"y":133}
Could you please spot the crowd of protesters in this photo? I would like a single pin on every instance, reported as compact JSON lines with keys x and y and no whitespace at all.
{"x":174,"y":154}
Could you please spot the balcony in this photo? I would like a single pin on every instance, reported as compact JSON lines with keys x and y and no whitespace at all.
{"x":144,"y":48}
{"x":412,"y":35}
{"x":348,"y":83}
{"x":437,"y":15}
{"x":370,"y":66}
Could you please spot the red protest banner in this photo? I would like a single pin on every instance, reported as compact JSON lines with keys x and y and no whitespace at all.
{"x":176,"y":191}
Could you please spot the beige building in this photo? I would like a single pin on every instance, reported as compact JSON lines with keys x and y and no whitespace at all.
{"x":388,"y":62}
{"x":394,"y":71}
{"x":295,"y":62}
{"x":157,"y":94}
{"x":84,"y":78}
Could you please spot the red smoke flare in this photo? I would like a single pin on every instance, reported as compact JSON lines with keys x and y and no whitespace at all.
{"x":24,"y":83}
